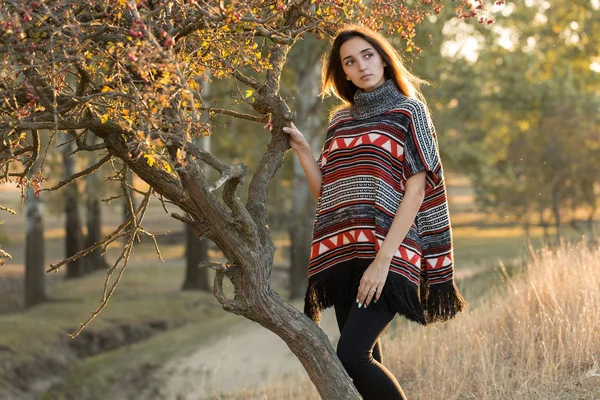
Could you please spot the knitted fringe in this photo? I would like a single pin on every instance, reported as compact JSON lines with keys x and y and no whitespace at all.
{"x":442,"y":301}
{"x":331,"y":287}
{"x":339,"y":285}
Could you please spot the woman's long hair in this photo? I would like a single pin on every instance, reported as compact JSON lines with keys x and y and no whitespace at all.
{"x":334,"y":78}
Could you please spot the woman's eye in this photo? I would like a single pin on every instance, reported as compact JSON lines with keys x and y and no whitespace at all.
{"x":368,"y":55}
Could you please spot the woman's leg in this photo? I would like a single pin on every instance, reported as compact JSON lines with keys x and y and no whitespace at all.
{"x":362,"y":329}
{"x":341,"y":315}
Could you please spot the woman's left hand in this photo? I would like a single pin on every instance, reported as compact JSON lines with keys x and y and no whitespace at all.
{"x":372,"y":282}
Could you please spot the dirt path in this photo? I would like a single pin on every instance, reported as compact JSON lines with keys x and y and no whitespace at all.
{"x":246,"y":356}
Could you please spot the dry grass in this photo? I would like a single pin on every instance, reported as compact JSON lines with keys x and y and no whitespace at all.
{"x":538,"y":337}
{"x":536,"y":340}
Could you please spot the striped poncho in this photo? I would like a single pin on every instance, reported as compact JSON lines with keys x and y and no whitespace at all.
{"x":370,"y":150}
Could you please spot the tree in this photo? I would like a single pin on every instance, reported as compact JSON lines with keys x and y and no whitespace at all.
{"x":519,"y":120}
{"x":35,"y":279}
{"x":196,"y":251}
{"x":139,"y":67}
{"x":95,"y":260}
{"x":77,"y":267}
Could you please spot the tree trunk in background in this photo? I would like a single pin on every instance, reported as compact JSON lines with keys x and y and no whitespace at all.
{"x":556,"y":210}
{"x":73,"y":225}
{"x":95,"y":259}
{"x":35,"y":276}
{"x":544,"y":225}
{"x":196,"y":252}
{"x":302,"y":216}
{"x":590,"y":234}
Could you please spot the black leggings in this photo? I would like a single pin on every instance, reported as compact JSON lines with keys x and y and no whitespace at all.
{"x":359,"y":350}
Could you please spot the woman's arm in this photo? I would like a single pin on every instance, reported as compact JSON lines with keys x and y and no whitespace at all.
{"x":303,"y":151}
{"x":409,"y":207}
{"x":311,"y":169}
{"x":376,"y":274}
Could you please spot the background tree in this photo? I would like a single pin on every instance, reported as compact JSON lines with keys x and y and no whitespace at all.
{"x":520,"y":109}
{"x":76,"y":267}
{"x":138,"y":68}
{"x":35,"y":279}
{"x":95,"y":260}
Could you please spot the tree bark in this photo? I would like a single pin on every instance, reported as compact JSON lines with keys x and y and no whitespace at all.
{"x":35,"y":276}
{"x":243,"y":236}
{"x":73,"y":225}
{"x":196,"y":252}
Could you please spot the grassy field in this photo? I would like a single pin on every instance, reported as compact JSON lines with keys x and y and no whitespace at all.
{"x":536,"y":337}
{"x":150,"y":320}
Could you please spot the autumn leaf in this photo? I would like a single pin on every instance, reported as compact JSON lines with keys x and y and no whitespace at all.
{"x":150,"y":159}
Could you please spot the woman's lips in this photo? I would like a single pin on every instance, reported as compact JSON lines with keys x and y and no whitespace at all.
{"x":365,"y":77}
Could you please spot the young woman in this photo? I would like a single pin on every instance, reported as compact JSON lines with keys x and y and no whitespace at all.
{"x":382,"y":241}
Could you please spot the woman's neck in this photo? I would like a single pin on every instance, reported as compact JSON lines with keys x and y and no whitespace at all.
{"x":377,"y":101}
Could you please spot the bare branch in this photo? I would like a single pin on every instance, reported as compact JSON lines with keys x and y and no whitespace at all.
{"x":162,"y":201}
{"x":116,"y":234}
{"x":125,"y":254}
{"x":228,"y":304}
{"x":4,"y":254}
{"x":253,"y":118}
{"x":202,"y":231}
{"x":80,"y":174}
{"x":153,"y":236}
{"x":10,"y":210}
{"x":253,"y":83}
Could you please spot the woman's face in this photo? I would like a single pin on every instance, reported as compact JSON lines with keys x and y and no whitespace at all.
{"x":362,"y":64}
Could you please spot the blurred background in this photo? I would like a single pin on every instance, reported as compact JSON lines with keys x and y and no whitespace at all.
{"x":516,"y":108}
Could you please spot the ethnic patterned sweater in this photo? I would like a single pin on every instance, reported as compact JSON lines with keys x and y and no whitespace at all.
{"x":371,"y":149}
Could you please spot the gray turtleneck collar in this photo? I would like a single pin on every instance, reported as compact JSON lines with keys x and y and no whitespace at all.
{"x":378,"y":101}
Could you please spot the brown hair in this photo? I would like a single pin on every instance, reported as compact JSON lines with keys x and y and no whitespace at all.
{"x":334,"y":78}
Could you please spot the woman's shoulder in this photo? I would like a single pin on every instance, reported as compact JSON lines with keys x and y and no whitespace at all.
{"x":411,"y":106}
{"x":338,"y":114}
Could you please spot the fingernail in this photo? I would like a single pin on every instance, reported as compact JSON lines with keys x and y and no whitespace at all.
{"x":357,"y":301}
{"x":359,"y":305}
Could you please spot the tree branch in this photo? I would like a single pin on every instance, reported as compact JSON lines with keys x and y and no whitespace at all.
{"x":202,"y":231}
{"x":253,"y":118}
{"x":221,"y":271}
{"x":10,"y":210}
{"x":80,"y":174}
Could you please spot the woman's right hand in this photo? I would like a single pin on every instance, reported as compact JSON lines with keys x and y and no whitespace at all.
{"x":296,"y":138}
